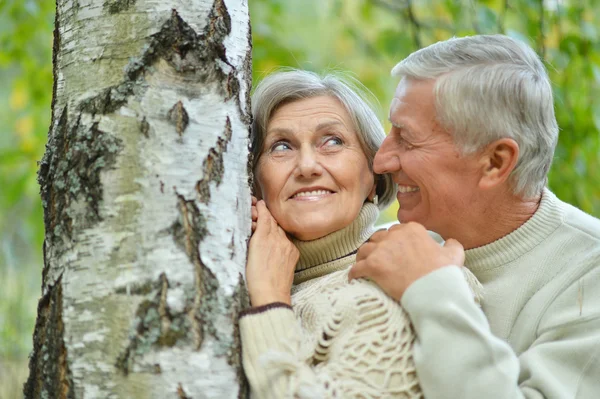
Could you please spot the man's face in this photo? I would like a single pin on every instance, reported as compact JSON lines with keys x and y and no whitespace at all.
{"x":436,"y":185}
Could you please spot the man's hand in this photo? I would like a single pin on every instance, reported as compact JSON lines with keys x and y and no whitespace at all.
{"x":397,"y":257}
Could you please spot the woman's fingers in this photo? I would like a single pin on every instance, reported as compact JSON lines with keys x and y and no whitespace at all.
{"x":265,"y":222}
{"x":254,"y":213}
{"x":254,"y":200}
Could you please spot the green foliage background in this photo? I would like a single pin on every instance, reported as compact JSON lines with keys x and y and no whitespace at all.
{"x":366,"y":37}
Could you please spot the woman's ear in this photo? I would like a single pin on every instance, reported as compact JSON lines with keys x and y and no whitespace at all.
{"x":373,"y":191}
{"x":498,"y":161}
{"x":256,"y":191}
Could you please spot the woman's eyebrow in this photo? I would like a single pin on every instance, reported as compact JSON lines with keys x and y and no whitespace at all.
{"x":281,"y":131}
{"x":325,"y":125}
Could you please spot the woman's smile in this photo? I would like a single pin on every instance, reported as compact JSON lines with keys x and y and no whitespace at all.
{"x":311,"y":194}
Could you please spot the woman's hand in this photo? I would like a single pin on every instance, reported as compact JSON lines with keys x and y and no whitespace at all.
{"x":254,"y":212}
{"x":272,"y":259}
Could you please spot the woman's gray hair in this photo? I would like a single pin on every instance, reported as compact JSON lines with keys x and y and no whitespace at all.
{"x":490,"y":87}
{"x":286,"y":86}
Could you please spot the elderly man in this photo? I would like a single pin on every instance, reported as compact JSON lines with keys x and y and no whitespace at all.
{"x":472,"y":139}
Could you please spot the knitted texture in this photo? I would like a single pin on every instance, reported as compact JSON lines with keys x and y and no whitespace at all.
{"x":539,"y":333}
{"x":342,"y":339}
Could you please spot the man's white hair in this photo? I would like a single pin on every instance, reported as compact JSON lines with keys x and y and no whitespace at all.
{"x":489,"y":87}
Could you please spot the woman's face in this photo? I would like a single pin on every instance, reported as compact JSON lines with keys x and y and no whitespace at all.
{"x":312,"y":172}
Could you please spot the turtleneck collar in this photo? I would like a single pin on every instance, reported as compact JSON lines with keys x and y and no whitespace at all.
{"x":544,"y":221}
{"x":319,"y":253}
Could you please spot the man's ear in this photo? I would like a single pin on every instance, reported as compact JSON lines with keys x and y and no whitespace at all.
{"x":498,"y":160}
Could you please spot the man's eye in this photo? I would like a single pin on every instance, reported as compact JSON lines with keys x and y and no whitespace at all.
{"x":280,"y":146}
{"x":405,"y":143}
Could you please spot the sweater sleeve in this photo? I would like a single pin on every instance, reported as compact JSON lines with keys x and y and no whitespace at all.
{"x":364,"y":351}
{"x":454,"y":343}
{"x":267,"y":334}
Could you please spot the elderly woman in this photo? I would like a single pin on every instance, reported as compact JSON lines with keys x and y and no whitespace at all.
{"x":310,"y":332}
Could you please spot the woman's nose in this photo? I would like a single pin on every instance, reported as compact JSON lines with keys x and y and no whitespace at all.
{"x":308,"y":164}
{"x":387,"y":158}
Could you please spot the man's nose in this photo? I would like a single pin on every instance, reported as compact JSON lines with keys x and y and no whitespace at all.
{"x":387,"y":158}
{"x":308,"y":163}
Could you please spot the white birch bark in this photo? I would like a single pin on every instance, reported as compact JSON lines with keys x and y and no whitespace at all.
{"x":146,"y":199}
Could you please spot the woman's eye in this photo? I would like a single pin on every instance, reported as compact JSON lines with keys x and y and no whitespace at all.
{"x":280,"y":146}
{"x":331,"y":141}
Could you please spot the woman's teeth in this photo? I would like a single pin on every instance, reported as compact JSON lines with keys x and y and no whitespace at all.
{"x":311,"y":193}
{"x":407,"y":189}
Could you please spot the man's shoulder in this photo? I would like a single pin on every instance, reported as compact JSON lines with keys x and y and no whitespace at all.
{"x":582,"y":222}
{"x":438,"y":238}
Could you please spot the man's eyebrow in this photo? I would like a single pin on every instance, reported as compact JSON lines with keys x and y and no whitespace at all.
{"x":399,"y":125}
{"x":395,"y":124}
{"x":407,"y":132}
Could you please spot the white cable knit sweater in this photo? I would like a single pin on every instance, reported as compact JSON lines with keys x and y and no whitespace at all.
{"x":342,"y":339}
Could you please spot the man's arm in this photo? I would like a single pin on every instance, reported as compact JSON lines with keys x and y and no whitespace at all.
{"x":457,"y":356}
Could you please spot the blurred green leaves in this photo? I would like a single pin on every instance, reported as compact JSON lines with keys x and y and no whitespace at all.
{"x":26,"y":80}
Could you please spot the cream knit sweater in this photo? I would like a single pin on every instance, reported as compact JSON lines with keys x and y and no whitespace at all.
{"x":539,"y":333}
{"x":341,"y":340}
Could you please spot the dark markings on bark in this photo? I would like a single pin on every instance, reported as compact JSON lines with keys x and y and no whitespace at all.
{"x":155,"y":325}
{"x":70,"y":172}
{"x":245,"y":109}
{"x":213,"y":165}
{"x":178,"y":116}
{"x":191,"y":54}
{"x":145,"y":128}
{"x":244,"y":105}
{"x":189,"y":233}
{"x":249,"y":169}
{"x":136,"y":289}
{"x":69,"y":175}
{"x":46,"y":267}
{"x":181,"y":393}
{"x":117,"y":6}
{"x":49,"y":374}
{"x":239,"y":302}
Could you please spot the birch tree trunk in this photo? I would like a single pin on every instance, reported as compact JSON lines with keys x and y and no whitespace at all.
{"x":146,"y":201}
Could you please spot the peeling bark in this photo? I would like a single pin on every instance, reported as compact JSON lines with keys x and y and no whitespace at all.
{"x":145,"y":243}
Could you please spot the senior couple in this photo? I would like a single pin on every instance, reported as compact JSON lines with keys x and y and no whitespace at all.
{"x":507,"y":307}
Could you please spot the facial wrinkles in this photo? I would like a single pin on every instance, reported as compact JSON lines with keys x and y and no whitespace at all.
{"x":305,"y":138}
{"x":293,"y":121}
{"x":306,"y":127}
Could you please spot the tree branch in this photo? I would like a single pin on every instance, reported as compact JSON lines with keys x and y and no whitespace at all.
{"x":416,"y":26}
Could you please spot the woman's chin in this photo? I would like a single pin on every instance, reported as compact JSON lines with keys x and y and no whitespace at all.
{"x":313,"y":233}
{"x":317,"y":224}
